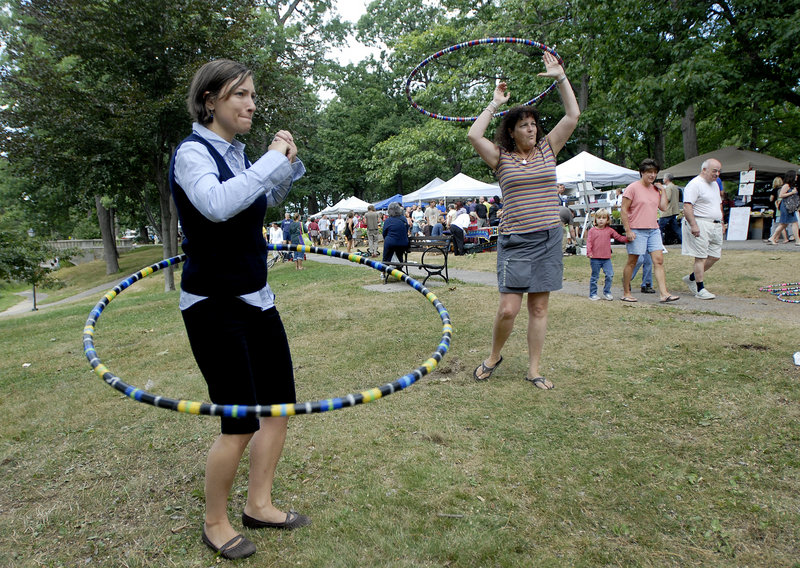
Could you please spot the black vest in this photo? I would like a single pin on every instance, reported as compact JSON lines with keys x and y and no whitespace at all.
{"x":223,"y":259}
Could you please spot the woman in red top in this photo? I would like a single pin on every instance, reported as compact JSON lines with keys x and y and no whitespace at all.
{"x":641,"y":201}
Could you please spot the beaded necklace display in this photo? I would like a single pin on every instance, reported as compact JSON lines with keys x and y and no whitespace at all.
{"x":783,"y":291}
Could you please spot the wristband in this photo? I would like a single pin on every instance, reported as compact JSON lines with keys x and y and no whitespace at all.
{"x":494,"y":106}
{"x":561,"y":79}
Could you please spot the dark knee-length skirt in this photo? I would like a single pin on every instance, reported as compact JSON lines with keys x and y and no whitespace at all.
{"x":530,"y":262}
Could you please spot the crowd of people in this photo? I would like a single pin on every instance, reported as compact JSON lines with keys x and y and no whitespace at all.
{"x":701,"y":228}
{"x":347,"y":230}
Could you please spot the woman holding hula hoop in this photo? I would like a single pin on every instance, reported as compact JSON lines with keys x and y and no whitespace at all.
{"x":529,"y":257}
{"x":234,"y":329}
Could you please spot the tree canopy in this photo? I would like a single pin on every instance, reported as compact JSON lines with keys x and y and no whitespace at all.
{"x":92,"y":91}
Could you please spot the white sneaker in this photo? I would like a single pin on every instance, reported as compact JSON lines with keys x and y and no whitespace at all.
{"x":594,"y":297}
{"x":704,"y":295}
{"x":691,"y":284}
{"x":608,"y":297}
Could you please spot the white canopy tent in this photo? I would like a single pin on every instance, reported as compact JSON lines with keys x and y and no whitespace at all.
{"x":586,"y":167}
{"x":413,"y":197}
{"x":460,"y":185}
{"x":344,"y":206}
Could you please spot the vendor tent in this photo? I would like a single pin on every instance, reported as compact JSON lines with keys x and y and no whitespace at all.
{"x":344,"y":206}
{"x":586,"y":167}
{"x":460,"y":185}
{"x":733,"y":160}
{"x":413,"y":197}
{"x":385,"y":203}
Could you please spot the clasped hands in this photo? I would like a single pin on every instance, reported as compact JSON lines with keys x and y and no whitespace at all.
{"x":283,"y":142}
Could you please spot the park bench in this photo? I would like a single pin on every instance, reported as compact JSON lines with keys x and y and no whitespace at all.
{"x":431,"y":248}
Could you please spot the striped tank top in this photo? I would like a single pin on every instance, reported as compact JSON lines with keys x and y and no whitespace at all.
{"x":530,"y":196}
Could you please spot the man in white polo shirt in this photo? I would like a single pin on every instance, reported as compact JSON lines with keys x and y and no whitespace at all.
{"x":702,"y":226}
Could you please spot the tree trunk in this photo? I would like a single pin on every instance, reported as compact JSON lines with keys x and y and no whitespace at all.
{"x":689,"y":131}
{"x":169,"y":233}
{"x":583,"y":102}
{"x":169,"y":221}
{"x":106,"y":222}
{"x":754,"y":128}
{"x":313,"y":203}
{"x":659,"y":154}
{"x":169,"y":228}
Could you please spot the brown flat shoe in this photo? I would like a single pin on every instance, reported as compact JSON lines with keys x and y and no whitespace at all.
{"x":235,"y":548}
{"x":293,"y":521}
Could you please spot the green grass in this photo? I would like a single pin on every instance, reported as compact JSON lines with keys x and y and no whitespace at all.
{"x":8,"y":291}
{"x":670,"y":440}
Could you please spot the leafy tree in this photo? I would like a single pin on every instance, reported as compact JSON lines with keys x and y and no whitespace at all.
{"x":27,"y":259}
{"x":115,"y":74}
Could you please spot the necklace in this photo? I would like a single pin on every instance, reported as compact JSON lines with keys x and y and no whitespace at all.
{"x":528,"y":157}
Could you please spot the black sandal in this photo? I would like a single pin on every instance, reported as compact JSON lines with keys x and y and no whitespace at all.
{"x":483,"y":368}
{"x":541,"y":383}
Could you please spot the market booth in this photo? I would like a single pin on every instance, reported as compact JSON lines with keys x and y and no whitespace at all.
{"x":752,"y":218}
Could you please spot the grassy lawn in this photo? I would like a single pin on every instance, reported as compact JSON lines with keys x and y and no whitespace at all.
{"x":670,"y":440}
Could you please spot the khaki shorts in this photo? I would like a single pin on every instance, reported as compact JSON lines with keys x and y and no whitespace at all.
{"x":708,"y":243}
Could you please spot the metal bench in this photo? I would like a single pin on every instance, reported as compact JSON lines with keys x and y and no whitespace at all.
{"x":429,"y":247}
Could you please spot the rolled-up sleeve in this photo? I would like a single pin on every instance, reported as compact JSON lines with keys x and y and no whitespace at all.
{"x":197,"y":173}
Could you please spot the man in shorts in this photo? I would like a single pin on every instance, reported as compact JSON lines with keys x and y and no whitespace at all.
{"x":702,"y":226}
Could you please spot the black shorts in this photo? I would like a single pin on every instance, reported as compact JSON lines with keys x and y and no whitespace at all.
{"x":243,"y":354}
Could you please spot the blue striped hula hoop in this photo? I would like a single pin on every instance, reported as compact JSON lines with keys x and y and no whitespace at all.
{"x":249,"y":411}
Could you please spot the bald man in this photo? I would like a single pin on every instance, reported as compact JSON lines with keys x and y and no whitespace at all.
{"x":702,"y":226}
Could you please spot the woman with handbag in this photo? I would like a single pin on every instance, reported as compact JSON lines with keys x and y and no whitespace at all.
{"x":790,"y":201}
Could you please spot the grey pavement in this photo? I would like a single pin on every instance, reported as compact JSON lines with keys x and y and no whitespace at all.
{"x":758,"y":308}
{"x":26,"y":306}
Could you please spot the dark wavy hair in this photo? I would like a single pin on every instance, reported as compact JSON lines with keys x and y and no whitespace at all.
{"x":208,"y":83}
{"x":790,"y":178}
{"x":502,"y":136}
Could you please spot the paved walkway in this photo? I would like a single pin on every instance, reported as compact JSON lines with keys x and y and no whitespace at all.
{"x":26,"y":306}
{"x":757,"y":308}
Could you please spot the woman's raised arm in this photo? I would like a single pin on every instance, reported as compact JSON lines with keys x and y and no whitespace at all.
{"x":559,"y":135}
{"x":487,"y":150}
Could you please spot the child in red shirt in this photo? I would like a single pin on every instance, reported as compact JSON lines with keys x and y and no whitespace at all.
{"x":598,"y":249}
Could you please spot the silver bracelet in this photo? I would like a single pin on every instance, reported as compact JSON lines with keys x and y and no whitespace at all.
{"x":561,"y":79}
{"x":493,"y":105}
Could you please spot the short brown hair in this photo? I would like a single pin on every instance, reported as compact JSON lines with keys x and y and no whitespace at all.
{"x":647,"y":165}
{"x":208,"y":83}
